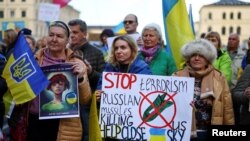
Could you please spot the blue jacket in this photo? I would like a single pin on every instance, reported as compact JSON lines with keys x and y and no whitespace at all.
{"x":3,"y":85}
{"x":137,"y":67}
{"x":245,"y":60}
{"x":2,"y":63}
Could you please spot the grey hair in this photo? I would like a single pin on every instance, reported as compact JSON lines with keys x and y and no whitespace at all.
{"x":156,"y":27}
{"x":81,"y":23}
{"x":200,"y":46}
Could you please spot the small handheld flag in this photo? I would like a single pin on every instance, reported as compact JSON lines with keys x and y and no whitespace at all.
{"x":22,"y":73}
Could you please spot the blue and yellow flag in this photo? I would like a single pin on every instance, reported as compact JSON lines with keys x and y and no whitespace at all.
{"x":22,"y":73}
{"x":119,"y":29}
{"x":178,"y":30}
{"x":94,"y":129}
{"x":191,"y":20}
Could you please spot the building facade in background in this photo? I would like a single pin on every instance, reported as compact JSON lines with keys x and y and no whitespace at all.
{"x":225,"y":17}
{"x":24,"y":13}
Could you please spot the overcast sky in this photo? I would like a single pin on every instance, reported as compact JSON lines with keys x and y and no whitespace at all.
{"x":111,"y":12}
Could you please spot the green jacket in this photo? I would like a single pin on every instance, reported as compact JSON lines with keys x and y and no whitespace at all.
{"x":223,"y":63}
{"x":162,"y":63}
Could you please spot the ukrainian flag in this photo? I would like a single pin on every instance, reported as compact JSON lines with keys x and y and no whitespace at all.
{"x":119,"y":29}
{"x":178,"y":30}
{"x":94,"y":129}
{"x":191,"y":18}
{"x":23,"y":75}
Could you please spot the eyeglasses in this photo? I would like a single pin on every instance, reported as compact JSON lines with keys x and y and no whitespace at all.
{"x":129,"y":22}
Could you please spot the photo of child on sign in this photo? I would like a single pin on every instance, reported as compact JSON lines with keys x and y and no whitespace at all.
{"x":146,"y":107}
{"x":60,"y":98}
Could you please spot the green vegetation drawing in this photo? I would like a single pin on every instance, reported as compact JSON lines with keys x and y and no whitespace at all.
{"x":156,"y":108}
{"x":157,"y":102}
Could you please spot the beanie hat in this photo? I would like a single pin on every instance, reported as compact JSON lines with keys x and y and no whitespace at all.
{"x":202,"y":47}
{"x":26,"y":31}
{"x":107,"y":32}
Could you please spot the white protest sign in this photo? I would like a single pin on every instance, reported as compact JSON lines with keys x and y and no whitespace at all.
{"x":48,"y":12}
{"x":146,"y":107}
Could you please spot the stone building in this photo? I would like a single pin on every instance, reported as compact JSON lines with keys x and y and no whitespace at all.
{"x":24,"y":13}
{"x":225,"y":17}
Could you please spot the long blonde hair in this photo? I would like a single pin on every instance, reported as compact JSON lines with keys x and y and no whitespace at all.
{"x":133,"y":46}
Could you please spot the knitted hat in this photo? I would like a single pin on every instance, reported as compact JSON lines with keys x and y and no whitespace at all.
{"x":107,"y":32}
{"x":26,"y":31}
{"x":200,"y":46}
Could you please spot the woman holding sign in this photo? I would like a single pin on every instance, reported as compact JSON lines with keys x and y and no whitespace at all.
{"x":57,"y":53}
{"x":123,"y":58}
{"x":212,"y":103}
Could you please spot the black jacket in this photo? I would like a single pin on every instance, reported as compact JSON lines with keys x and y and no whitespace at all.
{"x":96,"y":59}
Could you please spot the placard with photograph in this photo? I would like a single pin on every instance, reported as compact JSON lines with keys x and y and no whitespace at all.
{"x":60,"y":98}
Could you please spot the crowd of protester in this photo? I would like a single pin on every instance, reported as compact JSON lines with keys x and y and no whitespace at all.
{"x":222,"y":84}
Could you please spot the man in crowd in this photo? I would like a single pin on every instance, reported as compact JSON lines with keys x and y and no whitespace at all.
{"x":236,"y":56}
{"x":94,"y":59}
{"x":130,"y":23}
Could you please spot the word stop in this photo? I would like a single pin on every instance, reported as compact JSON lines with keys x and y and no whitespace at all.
{"x":119,"y":80}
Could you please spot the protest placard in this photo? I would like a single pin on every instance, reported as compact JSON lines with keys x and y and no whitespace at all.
{"x":60,"y":98}
{"x":146,"y":107}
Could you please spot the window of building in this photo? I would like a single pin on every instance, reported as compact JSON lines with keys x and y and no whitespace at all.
{"x":1,"y":0}
{"x":238,"y":30}
{"x":12,"y":13}
{"x":209,"y":29}
{"x":223,"y":31}
{"x":23,"y":0}
{"x":231,"y":15}
{"x":239,"y":15}
{"x":1,"y":14}
{"x":12,"y":0}
{"x":210,"y":16}
{"x":23,"y":14}
{"x":231,"y":30}
{"x":224,"y":16}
